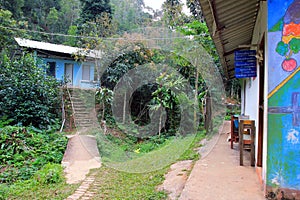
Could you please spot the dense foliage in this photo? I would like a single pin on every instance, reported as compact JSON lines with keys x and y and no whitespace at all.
{"x":150,"y":96}
{"x":28,"y":96}
{"x":24,"y":150}
{"x":7,"y":35}
{"x":92,"y":9}
{"x":47,"y":183}
{"x":129,"y":14}
{"x":49,"y":16}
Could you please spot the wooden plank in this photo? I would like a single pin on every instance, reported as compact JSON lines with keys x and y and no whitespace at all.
{"x":241,"y":142}
{"x":252,"y":156}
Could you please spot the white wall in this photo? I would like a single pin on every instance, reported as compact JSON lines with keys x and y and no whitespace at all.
{"x":252,"y":84}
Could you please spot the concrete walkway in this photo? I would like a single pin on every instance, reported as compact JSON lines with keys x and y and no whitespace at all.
{"x":81,"y":155}
{"x":218,"y":176}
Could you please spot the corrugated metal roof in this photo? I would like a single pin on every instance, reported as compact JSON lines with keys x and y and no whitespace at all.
{"x":57,"y":48}
{"x":231,"y":24}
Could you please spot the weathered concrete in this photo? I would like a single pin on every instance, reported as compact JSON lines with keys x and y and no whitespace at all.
{"x":219,"y":175}
{"x":81,"y":156}
{"x":176,"y":178}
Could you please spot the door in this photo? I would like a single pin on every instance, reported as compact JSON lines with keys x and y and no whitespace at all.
{"x":261,"y":106}
{"x":69,"y":73}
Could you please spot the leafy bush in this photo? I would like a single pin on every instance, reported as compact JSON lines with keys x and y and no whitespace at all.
{"x":28,"y":96}
{"x":25,"y":150}
{"x":4,"y":121}
{"x":3,"y":191}
{"x":49,"y":174}
{"x":47,"y":183}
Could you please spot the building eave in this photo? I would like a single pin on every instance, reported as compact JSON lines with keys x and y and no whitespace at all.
{"x":57,"y":48}
{"x":231,"y":24}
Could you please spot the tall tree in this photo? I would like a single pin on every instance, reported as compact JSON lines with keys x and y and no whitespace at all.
{"x":52,"y":20}
{"x":14,"y":6}
{"x":195,"y":9}
{"x":92,"y":9}
{"x":129,"y":14}
{"x":9,"y":29}
{"x":95,"y":19}
{"x":173,"y":15}
{"x":69,"y":13}
{"x":36,"y":11}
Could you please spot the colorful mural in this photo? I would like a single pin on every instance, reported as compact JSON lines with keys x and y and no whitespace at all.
{"x":283,"y":159}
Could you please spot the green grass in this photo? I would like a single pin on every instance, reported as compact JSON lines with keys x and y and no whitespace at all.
{"x":114,"y":184}
{"x":31,"y":190}
{"x":47,"y":183}
{"x":117,"y":184}
{"x":191,"y":153}
{"x":156,"y":159}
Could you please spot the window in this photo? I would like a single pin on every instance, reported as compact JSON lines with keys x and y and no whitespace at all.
{"x":86,"y":72}
{"x":51,"y":68}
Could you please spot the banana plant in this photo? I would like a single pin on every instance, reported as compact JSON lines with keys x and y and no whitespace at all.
{"x":104,"y":96}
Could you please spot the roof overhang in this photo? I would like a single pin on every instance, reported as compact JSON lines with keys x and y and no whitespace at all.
{"x":57,"y":48}
{"x":231,"y":24}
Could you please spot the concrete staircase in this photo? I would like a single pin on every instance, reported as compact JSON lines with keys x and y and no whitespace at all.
{"x":84,"y":107}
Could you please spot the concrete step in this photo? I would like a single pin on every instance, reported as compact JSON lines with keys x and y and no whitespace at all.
{"x":83,"y":113}
{"x":85,"y":120}
{"x":84,"y":106}
{"x":83,"y":109}
{"x":89,"y":102}
{"x":84,"y":125}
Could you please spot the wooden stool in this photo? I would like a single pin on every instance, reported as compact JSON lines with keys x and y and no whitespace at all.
{"x":246,"y":139}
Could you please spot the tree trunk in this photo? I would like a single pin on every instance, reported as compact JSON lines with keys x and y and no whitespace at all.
{"x":124,"y":108}
{"x":159,"y":124}
{"x":196,"y":98}
{"x":103,"y":111}
{"x":208,"y":124}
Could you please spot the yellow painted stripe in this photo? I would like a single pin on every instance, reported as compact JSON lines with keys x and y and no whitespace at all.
{"x":283,"y":82}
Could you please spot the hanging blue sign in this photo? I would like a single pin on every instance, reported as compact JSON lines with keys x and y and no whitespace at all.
{"x":245,"y":63}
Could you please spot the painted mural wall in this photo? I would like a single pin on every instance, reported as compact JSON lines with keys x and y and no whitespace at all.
{"x":283,"y":159}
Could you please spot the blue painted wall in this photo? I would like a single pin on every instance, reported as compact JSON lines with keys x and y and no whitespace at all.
{"x":283,"y":168}
{"x":283,"y":158}
{"x":77,"y":71}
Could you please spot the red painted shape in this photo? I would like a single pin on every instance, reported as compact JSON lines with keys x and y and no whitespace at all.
{"x":291,"y":29}
{"x":289,"y":64}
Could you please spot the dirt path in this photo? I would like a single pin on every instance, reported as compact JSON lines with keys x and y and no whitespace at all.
{"x":81,"y":156}
{"x":219,"y":175}
{"x":176,"y":178}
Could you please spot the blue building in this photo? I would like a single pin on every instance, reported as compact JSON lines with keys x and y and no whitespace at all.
{"x":62,"y":64}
